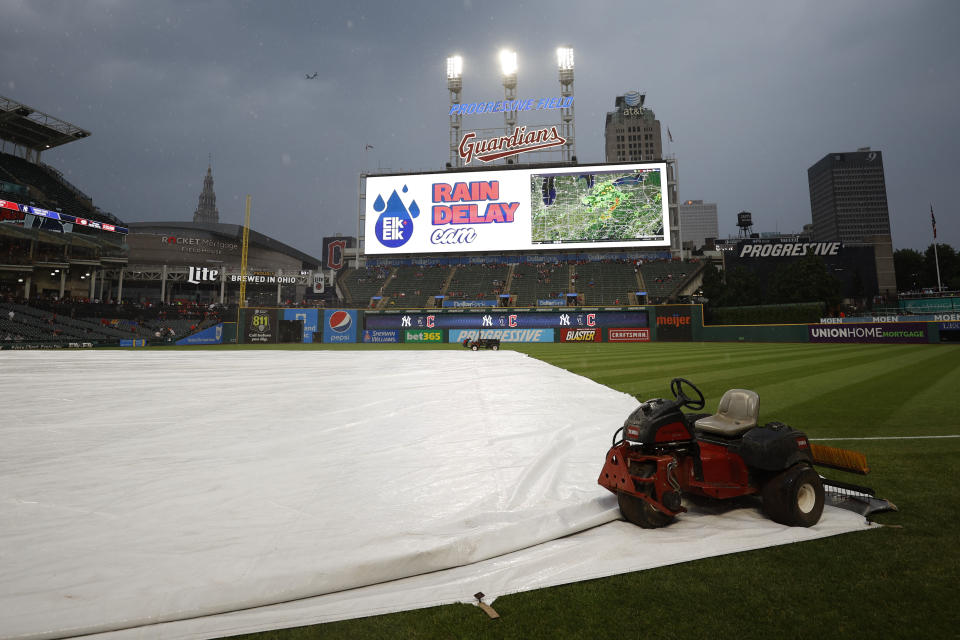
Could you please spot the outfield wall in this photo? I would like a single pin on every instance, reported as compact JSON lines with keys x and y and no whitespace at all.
{"x":661,"y":323}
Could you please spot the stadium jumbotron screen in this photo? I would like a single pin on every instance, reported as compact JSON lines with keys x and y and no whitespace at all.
{"x":518,"y":210}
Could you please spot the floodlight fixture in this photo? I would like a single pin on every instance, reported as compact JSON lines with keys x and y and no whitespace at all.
{"x":508,"y":62}
{"x":454,"y":67}
{"x":565,"y":58}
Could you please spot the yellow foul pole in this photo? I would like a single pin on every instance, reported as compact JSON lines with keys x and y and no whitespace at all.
{"x":243,"y":258}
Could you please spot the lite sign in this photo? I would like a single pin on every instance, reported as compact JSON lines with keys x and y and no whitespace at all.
{"x":518,"y":210}
{"x":197,"y":275}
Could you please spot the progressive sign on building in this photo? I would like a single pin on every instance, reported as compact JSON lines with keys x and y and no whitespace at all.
{"x":518,"y":210}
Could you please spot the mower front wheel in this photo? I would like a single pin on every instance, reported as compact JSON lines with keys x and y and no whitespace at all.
{"x":641,"y":513}
{"x":794,"y":497}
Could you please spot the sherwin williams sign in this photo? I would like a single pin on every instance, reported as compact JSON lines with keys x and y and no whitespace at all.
{"x":902,"y":332}
{"x":432,"y":335}
{"x":339,"y":326}
{"x":381,"y":336}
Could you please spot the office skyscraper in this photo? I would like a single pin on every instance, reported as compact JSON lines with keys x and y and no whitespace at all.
{"x":632,"y":134}
{"x":848,"y":197}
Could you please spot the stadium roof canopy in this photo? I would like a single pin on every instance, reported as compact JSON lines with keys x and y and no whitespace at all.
{"x":27,"y":127}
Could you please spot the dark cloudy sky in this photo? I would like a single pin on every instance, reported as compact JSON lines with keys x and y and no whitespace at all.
{"x":753,"y":93}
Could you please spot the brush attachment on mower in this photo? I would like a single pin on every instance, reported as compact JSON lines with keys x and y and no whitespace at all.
{"x":854,"y":498}
{"x":840,"y":459}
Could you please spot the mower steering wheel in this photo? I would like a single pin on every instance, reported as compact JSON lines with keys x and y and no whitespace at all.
{"x":676,"y":387}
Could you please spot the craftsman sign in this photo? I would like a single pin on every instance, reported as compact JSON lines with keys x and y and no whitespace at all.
{"x":628,"y":335}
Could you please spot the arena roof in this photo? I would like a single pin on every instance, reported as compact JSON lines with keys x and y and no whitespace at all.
{"x":231,"y":231}
{"x":27,"y":127}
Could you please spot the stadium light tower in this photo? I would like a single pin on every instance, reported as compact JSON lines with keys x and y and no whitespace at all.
{"x":454,"y":86}
{"x":508,"y":68}
{"x":565,"y":66}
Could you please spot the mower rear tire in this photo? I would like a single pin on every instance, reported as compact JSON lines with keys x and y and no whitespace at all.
{"x":794,"y":497}
{"x":641,"y":513}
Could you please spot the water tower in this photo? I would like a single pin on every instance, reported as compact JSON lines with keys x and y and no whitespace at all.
{"x":745,"y":222}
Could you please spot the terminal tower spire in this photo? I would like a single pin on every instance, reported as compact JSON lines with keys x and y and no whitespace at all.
{"x":207,"y":206}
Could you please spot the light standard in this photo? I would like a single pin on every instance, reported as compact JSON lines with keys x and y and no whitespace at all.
{"x":455,"y":86}
{"x":508,"y":68}
{"x":565,"y":68}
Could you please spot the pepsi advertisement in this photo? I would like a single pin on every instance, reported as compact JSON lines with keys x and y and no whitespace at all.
{"x":340,"y":326}
{"x":519,"y":320}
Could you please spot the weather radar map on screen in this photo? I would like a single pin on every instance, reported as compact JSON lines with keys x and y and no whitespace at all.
{"x":596,"y":207}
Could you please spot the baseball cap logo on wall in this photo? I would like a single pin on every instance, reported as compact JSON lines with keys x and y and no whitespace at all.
{"x":340,"y":321}
{"x":395,"y":224}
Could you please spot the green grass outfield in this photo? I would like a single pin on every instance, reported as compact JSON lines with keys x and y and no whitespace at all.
{"x":895,"y":582}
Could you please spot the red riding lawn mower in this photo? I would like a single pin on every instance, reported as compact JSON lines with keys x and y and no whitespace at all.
{"x":665,"y":454}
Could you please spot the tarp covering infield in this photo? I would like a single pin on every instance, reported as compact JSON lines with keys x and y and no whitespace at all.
{"x":151,"y":494}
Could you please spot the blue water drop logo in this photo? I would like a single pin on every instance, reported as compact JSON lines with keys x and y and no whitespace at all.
{"x":395,"y":224}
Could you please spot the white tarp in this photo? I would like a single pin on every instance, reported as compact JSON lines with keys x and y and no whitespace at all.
{"x":146,"y":487}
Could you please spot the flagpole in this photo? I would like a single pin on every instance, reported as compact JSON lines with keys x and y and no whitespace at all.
{"x":936,"y":254}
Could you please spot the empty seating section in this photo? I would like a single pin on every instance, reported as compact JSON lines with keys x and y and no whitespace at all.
{"x":664,"y":278}
{"x":56,"y":194}
{"x":36,"y":324}
{"x":605,"y":282}
{"x":102,"y":323}
{"x":358,"y":285}
{"x":532,"y":282}
{"x":416,"y":286}
{"x":478,"y":282}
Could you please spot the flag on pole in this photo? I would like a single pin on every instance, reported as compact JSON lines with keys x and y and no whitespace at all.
{"x":933,"y":221}
{"x":669,"y":135}
{"x":368,"y":147}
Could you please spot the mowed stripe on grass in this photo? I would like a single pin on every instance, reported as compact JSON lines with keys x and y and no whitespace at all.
{"x":825,"y":390}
